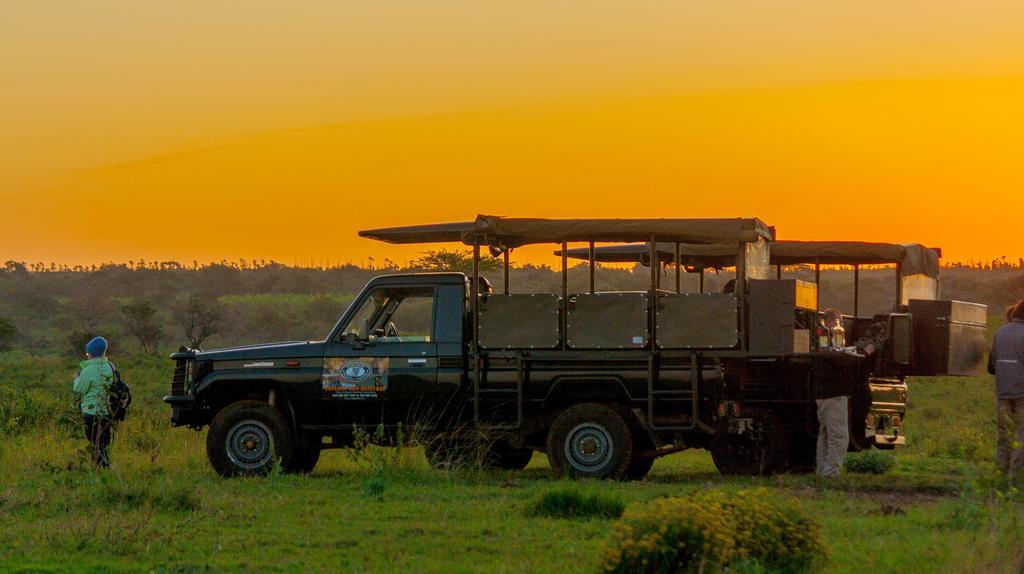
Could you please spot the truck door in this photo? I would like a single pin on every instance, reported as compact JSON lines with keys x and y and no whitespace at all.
{"x":384,"y":359}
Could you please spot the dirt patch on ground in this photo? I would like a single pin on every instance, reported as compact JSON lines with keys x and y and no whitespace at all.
{"x":896,"y":497}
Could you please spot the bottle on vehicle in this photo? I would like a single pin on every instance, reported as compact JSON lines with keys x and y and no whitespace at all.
{"x":838,"y":335}
{"x":824,"y":339}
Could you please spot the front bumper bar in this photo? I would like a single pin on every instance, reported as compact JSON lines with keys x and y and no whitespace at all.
{"x":182,"y":410}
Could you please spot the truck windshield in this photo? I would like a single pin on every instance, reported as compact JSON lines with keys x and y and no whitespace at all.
{"x":394,"y":314}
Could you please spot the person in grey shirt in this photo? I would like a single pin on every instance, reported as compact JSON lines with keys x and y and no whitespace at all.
{"x":1006,"y":362}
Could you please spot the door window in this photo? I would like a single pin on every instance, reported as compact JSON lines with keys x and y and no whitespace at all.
{"x":394,"y":315}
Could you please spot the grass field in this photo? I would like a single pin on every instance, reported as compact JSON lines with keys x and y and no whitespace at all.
{"x":162,"y":509}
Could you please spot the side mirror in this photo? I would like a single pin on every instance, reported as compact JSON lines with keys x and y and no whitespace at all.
{"x":364,"y":329}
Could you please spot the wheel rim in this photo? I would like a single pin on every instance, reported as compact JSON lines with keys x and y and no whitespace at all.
{"x":250,"y":445}
{"x":588,"y":447}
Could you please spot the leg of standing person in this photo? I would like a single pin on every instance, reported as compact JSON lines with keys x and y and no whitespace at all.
{"x":838,"y":433}
{"x":90,"y":433}
{"x":1004,"y":422}
{"x":833,"y":435}
{"x":97,"y":431}
{"x":821,"y":454}
{"x":102,"y":445}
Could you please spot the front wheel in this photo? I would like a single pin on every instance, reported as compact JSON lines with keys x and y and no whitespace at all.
{"x":590,"y":441}
{"x":247,"y":438}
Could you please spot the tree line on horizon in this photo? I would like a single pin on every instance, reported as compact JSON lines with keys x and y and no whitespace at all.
{"x":431,"y":259}
{"x":149,"y":308}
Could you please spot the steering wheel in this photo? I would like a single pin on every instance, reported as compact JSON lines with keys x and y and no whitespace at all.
{"x":392,"y":331}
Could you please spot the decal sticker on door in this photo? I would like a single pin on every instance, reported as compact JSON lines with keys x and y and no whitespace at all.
{"x":355,"y":379}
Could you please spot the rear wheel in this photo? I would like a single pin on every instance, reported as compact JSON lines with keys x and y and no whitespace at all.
{"x":590,"y":441}
{"x":247,"y":438}
{"x":761,"y":449}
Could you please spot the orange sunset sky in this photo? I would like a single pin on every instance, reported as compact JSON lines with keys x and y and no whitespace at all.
{"x":220,"y":129}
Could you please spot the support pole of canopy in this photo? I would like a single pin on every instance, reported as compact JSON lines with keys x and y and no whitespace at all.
{"x":899,"y":286}
{"x":701,"y":285}
{"x":678,"y":283}
{"x":475,"y":291}
{"x":505,"y":256}
{"x":592,"y":256}
{"x":740,"y":291}
{"x":652,"y":304}
{"x":817,"y":285}
{"x":778,"y":271}
{"x":856,"y":298}
{"x":565,"y":293}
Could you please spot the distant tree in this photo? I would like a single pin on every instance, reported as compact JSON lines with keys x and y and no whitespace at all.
{"x":81,"y":318}
{"x":77,"y":340}
{"x":445,"y":260}
{"x":141,"y":322}
{"x":199,"y":318}
{"x":7,"y":333}
{"x":12,"y":266}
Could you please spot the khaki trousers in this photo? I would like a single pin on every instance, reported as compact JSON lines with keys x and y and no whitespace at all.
{"x":1010,"y":435}
{"x":833,"y":435}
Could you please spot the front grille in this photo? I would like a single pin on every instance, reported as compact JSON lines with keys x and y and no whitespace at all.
{"x":180,"y":376}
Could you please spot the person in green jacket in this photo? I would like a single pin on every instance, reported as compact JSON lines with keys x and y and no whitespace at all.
{"x":92,"y":385}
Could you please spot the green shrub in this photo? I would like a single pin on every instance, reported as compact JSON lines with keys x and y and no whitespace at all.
{"x":571,"y":503}
{"x":869,"y":461}
{"x":967,"y":442}
{"x":21,"y":410}
{"x":713,"y":530}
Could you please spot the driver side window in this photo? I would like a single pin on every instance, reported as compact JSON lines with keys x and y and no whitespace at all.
{"x":395,"y":315}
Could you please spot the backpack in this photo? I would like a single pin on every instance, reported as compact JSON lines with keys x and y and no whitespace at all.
{"x":119,"y":397}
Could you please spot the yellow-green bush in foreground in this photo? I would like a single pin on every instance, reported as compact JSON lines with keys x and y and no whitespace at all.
{"x":709,"y":531}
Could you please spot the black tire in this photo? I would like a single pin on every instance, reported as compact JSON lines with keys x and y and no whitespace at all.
{"x":590,"y":441}
{"x":303,"y":461}
{"x":762,"y":450}
{"x":247,"y":438}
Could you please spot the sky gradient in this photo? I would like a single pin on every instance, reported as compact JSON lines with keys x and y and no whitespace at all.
{"x":210,"y":130}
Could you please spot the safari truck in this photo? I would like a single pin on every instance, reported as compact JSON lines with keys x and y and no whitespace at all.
{"x":602,"y":382}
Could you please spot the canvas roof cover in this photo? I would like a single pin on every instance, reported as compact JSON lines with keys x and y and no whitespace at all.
{"x":914,"y":258}
{"x":516,"y":231}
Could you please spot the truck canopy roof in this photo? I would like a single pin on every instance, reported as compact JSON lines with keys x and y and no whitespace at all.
{"x":913,"y":258}
{"x":516,"y":231}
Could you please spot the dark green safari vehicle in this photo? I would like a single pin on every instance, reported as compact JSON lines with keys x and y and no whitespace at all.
{"x":602,"y":382}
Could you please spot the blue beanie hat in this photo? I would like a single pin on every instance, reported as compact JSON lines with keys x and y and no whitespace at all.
{"x":97,"y":347}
